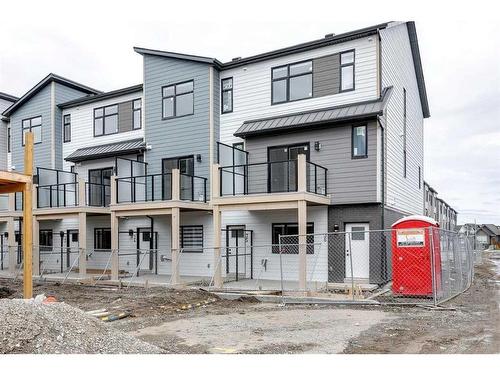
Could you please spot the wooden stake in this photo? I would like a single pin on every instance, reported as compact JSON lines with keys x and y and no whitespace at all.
{"x":28,"y":218}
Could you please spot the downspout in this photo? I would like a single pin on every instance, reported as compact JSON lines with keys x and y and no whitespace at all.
{"x":151,"y":241}
{"x":382,"y":169}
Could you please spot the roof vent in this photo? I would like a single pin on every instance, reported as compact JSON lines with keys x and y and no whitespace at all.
{"x":331,"y":35}
{"x":236,"y":58}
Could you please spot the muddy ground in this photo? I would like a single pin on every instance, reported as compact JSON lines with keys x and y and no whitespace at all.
{"x":193,"y":321}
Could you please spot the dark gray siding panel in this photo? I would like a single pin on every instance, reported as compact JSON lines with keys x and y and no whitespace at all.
{"x":349,"y":180}
{"x":125,"y":117}
{"x":188,"y":135}
{"x":379,"y":241}
{"x":326,"y":75}
{"x":38,"y":105}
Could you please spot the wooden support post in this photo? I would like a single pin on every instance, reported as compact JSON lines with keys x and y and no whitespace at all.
{"x":113,"y":190}
{"x":82,"y":244}
{"x":175,"y":251}
{"x":176,"y":185}
{"x":28,"y":217}
{"x":215,"y":183}
{"x":301,"y":173}
{"x":115,"y":262}
{"x":81,"y":194}
{"x":11,"y":230}
{"x":36,"y":246}
{"x":302,"y":221}
{"x":217,"y":247}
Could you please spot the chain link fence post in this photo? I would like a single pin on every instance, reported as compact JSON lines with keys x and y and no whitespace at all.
{"x":433,"y":265}
{"x":281,"y":270}
{"x":349,"y":235}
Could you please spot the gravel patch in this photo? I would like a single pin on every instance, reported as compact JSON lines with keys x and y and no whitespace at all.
{"x":29,"y":326}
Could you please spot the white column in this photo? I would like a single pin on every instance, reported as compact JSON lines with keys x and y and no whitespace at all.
{"x":302,"y":221}
{"x":82,"y":244}
{"x":217,"y":247}
{"x":175,"y":224}
{"x":115,"y":264}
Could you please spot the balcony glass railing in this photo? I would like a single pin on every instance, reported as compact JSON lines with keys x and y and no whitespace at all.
{"x":270,"y":177}
{"x":97,"y":195}
{"x":57,"y":195}
{"x":158,"y":187}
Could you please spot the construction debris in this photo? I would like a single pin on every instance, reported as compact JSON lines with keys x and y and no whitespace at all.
{"x":37,"y":327}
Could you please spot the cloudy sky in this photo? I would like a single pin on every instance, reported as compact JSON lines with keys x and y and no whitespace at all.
{"x":91,"y":42}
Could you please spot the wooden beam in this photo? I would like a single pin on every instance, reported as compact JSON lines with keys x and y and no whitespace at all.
{"x":12,"y":188}
{"x":11,"y":230}
{"x":36,"y":247}
{"x":10,"y":177}
{"x":28,"y":217}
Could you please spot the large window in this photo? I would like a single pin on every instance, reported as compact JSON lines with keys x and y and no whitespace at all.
{"x":347,"y":71}
{"x":289,"y":245}
{"x":106,"y":120}
{"x":178,"y":100}
{"x":191,"y":238}
{"x":292,"y":82}
{"x":359,"y":142}
{"x":33,"y":125}
{"x":102,"y":239}
{"x":45,"y":239}
{"x":227,"y":95}
{"x":137,"y":114}
{"x":67,"y":128}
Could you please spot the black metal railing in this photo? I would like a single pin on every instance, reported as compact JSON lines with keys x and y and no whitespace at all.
{"x":158,"y":187}
{"x":270,"y":177}
{"x":97,"y":195}
{"x":57,"y":195}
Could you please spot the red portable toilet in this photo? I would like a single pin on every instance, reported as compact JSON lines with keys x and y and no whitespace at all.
{"x":411,"y":256}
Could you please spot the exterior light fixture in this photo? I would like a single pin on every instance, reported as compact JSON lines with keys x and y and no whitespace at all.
{"x":317,"y":145}
{"x":198,"y":158}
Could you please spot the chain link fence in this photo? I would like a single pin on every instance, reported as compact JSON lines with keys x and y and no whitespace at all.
{"x":414,"y":266}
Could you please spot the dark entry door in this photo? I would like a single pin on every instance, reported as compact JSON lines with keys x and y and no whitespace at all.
{"x":239,"y":252}
{"x":147,"y":244}
{"x":185,"y":165}
{"x":71,"y":246}
{"x":282,"y":170}
{"x":99,"y":189}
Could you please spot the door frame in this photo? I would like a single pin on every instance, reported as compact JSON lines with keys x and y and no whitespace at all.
{"x":245,"y":231}
{"x":269,"y":148}
{"x":68,"y":253}
{"x":153,"y":245}
{"x":103,"y":192}
{"x":367,"y":229}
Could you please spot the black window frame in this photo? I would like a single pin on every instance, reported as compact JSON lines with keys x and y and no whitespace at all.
{"x":196,"y":249}
{"x":346,"y":65}
{"x":287,"y":79}
{"x":66,"y":125}
{"x":174,"y":96}
{"x":134,"y":110}
{"x":102,"y":230}
{"x":103,"y":117}
{"x":366,"y":141}
{"x":222,"y":91}
{"x":31,"y":127}
{"x":309,"y":236}
{"x":46,"y":234}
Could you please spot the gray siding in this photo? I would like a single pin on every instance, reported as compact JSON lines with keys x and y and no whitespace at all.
{"x":125,"y":116}
{"x":188,"y":135}
{"x":326,"y":75}
{"x":349,"y":180}
{"x":62,"y":94}
{"x":4,"y":104}
{"x":38,"y":105}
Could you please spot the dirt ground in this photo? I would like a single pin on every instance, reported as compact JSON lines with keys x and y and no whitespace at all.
{"x":193,"y":321}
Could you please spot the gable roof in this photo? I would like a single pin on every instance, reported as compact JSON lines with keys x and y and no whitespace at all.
{"x":102,"y":96}
{"x":491,"y":228}
{"x":317,"y":117}
{"x":40,"y":85}
{"x":180,"y":56}
{"x":8,"y":97}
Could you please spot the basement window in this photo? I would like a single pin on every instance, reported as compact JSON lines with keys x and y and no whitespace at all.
{"x":290,"y":245}
{"x":191,"y":238}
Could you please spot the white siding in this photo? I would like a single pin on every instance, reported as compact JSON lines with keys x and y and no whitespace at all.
{"x":398,"y":71}
{"x":82,"y":126}
{"x":252,"y":86}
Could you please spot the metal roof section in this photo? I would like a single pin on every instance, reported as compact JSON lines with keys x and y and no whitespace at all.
{"x":309,"y":119}
{"x":180,"y":56}
{"x":98,"y":97}
{"x":8,"y":97}
{"x":107,"y":150}
{"x":492,"y":228}
{"x":49,"y":78}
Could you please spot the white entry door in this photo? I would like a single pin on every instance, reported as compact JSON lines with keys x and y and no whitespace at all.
{"x":357,"y":251}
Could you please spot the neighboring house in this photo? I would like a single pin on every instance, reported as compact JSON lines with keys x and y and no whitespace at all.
{"x":319,"y":137}
{"x":438,"y":209}
{"x":488,"y":235}
{"x":6,"y":101}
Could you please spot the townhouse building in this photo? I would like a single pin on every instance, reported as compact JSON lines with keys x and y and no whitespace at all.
{"x":438,"y":209}
{"x":197,"y":171}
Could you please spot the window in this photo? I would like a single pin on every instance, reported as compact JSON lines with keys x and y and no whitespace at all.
{"x":72,"y":169}
{"x":227,"y":95}
{"x":347,"y":71}
{"x":67,"y":128}
{"x":33,"y":125}
{"x":291,"y":82}
{"x":102,"y":239}
{"x":192,"y":238}
{"x":359,"y":142}
{"x":358,"y":233}
{"x":8,"y":139}
{"x":290,"y":244}
{"x":45,"y":239}
{"x":178,"y":100}
{"x":404,"y":132}
{"x":137,"y":114}
{"x":106,"y":120}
